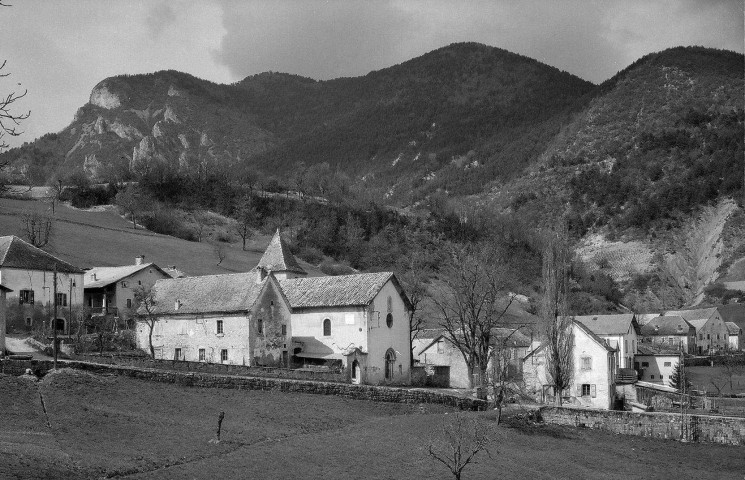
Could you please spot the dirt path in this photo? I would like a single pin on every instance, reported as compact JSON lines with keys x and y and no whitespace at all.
{"x":17,"y":345}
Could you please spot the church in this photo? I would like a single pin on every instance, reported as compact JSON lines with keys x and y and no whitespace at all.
{"x":277,"y":316}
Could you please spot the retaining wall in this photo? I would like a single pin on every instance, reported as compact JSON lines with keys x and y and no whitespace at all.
{"x":209,"y":380}
{"x":697,"y":428}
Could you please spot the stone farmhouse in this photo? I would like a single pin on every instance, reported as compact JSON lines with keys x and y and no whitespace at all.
{"x":711,"y":331}
{"x":619,"y":331}
{"x":593,"y":377}
{"x":275,"y":316}
{"x":29,"y":272}
{"x":448,"y":366}
{"x":110,"y":290}
{"x":734,"y":313}
{"x":735,"y":336}
{"x":673,"y":331}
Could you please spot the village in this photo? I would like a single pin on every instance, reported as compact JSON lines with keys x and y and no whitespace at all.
{"x":357,"y":329}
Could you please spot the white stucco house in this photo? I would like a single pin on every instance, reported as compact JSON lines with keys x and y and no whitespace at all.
{"x":28,"y":272}
{"x":656,"y":362}
{"x":711,"y":331}
{"x":593,"y":374}
{"x":734,"y":342}
{"x":620,"y":331}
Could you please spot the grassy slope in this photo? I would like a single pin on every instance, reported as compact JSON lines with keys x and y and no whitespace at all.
{"x":104,"y":238}
{"x":117,"y":425}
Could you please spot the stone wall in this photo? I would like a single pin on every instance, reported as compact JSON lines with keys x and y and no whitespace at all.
{"x":697,"y":428}
{"x":208,"y":380}
{"x":217,"y":368}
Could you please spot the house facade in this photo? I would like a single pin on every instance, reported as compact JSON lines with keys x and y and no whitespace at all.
{"x":111,"y":290}
{"x":656,"y":362}
{"x":3,"y":314}
{"x":621,"y":332}
{"x":711,"y":332}
{"x":237,"y":319}
{"x":360,"y":320}
{"x":593,"y":372}
{"x":672,"y":331}
{"x":29,"y":274}
{"x":734,"y":342}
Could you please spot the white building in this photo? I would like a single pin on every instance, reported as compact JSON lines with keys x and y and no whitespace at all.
{"x":620,"y":331}
{"x":734,"y":341}
{"x":593,"y":375}
{"x":29,"y":272}
{"x":656,"y":362}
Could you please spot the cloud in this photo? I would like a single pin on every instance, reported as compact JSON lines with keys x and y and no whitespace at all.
{"x":160,"y":16}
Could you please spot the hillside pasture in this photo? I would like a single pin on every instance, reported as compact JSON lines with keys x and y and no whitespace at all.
{"x":101,"y":237}
{"x":117,"y":427}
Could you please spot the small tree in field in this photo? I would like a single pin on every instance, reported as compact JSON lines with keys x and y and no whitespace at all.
{"x":145,"y":305}
{"x":461,"y":440}
{"x":554,"y":312}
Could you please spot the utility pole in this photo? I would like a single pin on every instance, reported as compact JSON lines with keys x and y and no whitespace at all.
{"x":54,"y":318}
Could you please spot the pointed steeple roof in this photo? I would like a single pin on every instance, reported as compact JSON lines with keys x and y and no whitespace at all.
{"x":278,"y":258}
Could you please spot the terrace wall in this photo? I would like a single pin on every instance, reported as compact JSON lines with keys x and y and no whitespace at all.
{"x":697,"y":428}
{"x":209,"y":380}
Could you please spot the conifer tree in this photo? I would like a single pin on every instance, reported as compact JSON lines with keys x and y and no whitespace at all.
{"x":675,"y":379}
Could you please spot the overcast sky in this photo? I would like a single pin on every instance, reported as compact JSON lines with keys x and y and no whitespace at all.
{"x":60,"y":50}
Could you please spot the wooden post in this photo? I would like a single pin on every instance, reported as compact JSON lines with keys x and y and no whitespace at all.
{"x":54,"y":318}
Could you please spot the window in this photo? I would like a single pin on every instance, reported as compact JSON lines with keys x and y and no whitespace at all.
{"x":389,"y":320}
{"x":700,"y":336}
{"x":390,"y":361}
{"x":62,"y":299}
{"x":28,"y":321}
{"x":260,"y":326}
{"x":327,"y":328}
{"x":177,"y":354}
{"x":26,"y":296}
{"x":708,"y":336}
{"x":224,"y":355}
{"x":651,"y":377}
{"x":220,"y":327}
{"x":662,"y":377}
{"x":284,"y":329}
{"x":585,"y":389}
{"x":670,"y":340}
{"x":139,"y":282}
{"x":129,"y":303}
{"x":645,"y":364}
{"x":668,"y":364}
{"x":441,"y":346}
{"x":717,"y":336}
{"x":124,"y":284}
{"x":586,"y":363}
{"x":202,"y":355}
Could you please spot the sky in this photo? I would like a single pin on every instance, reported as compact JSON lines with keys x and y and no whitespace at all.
{"x":59,"y":50}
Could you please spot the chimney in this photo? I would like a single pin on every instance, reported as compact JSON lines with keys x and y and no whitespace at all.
{"x":139,"y":259}
{"x":177,"y":305}
{"x":93,"y":275}
{"x":261,"y":274}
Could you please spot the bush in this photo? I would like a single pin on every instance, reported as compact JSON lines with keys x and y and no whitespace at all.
{"x":329,"y":267}
{"x":311,"y":255}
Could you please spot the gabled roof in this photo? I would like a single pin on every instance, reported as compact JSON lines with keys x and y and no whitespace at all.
{"x":515,"y":338}
{"x":15,"y":253}
{"x":237,"y":292}
{"x":732,"y":328}
{"x":667,"y":325}
{"x":695,"y":314}
{"x":619,"y":324}
{"x":594,"y":336}
{"x":107,"y":275}
{"x":644,"y":318}
{"x":340,"y":291}
{"x":278,"y":258}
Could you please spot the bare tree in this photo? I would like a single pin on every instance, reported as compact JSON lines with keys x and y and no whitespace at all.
{"x":10,"y":121}
{"x":555,"y":314}
{"x":461,"y":441}
{"x":37,"y":228}
{"x":501,"y":377}
{"x":145,"y":305}
{"x":245,"y":215}
{"x":472,"y":300}
{"x":201,"y":219}
{"x":131,"y":201}
{"x":220,"y":252}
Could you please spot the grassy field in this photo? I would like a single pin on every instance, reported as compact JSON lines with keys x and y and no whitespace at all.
{"x":101,"y":426}
{"x":702,"y":378}
{"x":104,"y":238}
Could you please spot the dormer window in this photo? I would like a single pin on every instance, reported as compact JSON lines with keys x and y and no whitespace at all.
{"x":124,"y":284}
{"x":177,"y":305}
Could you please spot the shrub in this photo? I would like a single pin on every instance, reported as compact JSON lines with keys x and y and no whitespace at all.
{"x":329,"y":267}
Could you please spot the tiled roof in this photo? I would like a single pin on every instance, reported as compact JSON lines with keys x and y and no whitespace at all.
{"x":644,"y":318}
{"x":695,"y":314}
{"x":15,"y":253}
{"x":667,"y":325}
{"x":607,"y":324}
{"x":235,"y":292}
{"x":339,"y":291}
{"x":278,"y":258}
{"x":516,"y":338}
{"x":732,"y":328}
{"x":98,"y":277}
{"x":594,"y":336}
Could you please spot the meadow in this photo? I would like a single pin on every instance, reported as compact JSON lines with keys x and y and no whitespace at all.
{"x":101,"y":237}
{"x":78,"y":425}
